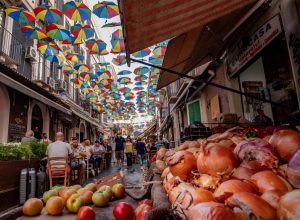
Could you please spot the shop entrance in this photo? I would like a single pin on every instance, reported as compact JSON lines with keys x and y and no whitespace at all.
{"x":82,"y":131}
{"x":37,"y":121}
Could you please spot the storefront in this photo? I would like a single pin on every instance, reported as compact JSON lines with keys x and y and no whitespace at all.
{"x":261,"y":63}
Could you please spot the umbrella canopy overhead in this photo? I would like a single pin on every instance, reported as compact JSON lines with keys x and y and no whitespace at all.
{"x":33,"y":32}
{"x":106,"y":9}
{"x":142,"y":53}
{"x":20,"y":15}
{"x":118,"y":34}
{"x":124,"y":72}
{"x":48,"y":13}
{"x":159,"y":51}
{"x":47,"y":48}
{"x":76,"y":11}
{"x":82,"y":67}
{"x":72,"y":40}
{"x":141,"y":70}
{"x":118,"y":46}
{"x":156,"y":60}
{"x":119,"y":60}
{"x":82,"y":31}
{"x":57,"y":32}
{"x":75,"y":57}
{"x":55,"y":58}
{"x":96,"y":45}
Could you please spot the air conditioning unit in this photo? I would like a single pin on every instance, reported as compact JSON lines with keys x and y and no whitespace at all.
{"x":31,"y":53}
{"x":51,"y":82}
{"x":62,"y":85}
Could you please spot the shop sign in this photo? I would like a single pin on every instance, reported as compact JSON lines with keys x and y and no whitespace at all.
{"x":249,"y":47}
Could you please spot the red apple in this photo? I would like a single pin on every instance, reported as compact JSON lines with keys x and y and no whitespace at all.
{"x":118,"y":190}
{"x":91,"y":186}
{"x":74,"y":203}
{"x":66,"y":193}
{"x":86,"y":213}
{"x":123,"y":211}
{"x":82,"y":190}
{"x":32,"y":207}
{"x":100,"y":198}
{"x":87,"y":197}
{"x":55,"y":205}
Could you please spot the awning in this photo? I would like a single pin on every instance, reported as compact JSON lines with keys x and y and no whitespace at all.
{"x":104,"y":132}
{"x":198,"y":46}
{"x":147,"y":22}
{"x":148,"y":131}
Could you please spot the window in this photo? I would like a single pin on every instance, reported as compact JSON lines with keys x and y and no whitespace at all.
{"x":194,"y":112}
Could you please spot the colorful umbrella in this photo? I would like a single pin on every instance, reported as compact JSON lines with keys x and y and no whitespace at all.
{"x":119,"y":60}
{"x":55,"y":58}
{"x":112,"y":24}
{"x":118,"y":34}
{"x":48,"y":13}
{"x":75,"y":57}
{"x":141,"y":83}
{"x":47,"y":48}
{"x":118,"y":46}
{"x":58,"y":32}
{"x":88,"y":76}
{"x":20,"y":15}
{"x":155,"y":60}
{"x":77,"y":82}
{"x":154,"y":70}
{"x":124,"y":80}
{"x":82,"y":31}
{"x":142,"y":53}
{"x":106,"y":75}
{"x":125,"y":90}
{"x":159,"y":51}
{"x":76,"y":11}
{"x":96,"y":45}
{"x":141,"y":70}
{"x":33,"y":32}
{"x":82,"y":67}
{"x":140,"y":78}
{"x":106,"y":9}
{"x":124,"y":73}
{"x":106,"y":82}
{"x":72,"y":40}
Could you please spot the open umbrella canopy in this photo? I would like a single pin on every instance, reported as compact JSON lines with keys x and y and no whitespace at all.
{"x":105,"y":75}
{"x":106,"y":9}
{"x":124,"y":73}
{"x":118,"y":34}
{"x":33,"y":32}
{"x":124,"y":80}
{"x":118,"y":46}
{"x":57,"y":32}
{"x":159,"y":51}
{"x":76,"y":11}
{"x":125,"y":90}
{"x":138,"y":88}
{"x":142,"y":53}
{"x":112,"y":24}
{"x":88,"y":76}
{"x":96,"y":45}
{"x":82,"y":31}
{"x":72,"y":40}
{"x":55,"y":58}
{"x":20,"y":15}
{"x":141,"y":70}
{"x":77,"y":82}
{"x":82,"y":67}
{"x":47,"y":48}
{"x":141,"y":83}
{"x":75,"y":57}
{"x":48,"y":13}
{"x":156,"y":60}
{"x":140,"y":78}
{"x":119,"y":60}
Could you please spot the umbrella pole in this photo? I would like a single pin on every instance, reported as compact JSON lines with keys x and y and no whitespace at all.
{"x":211,"y":84}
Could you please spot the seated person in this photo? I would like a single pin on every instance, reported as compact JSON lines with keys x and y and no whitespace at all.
{"x":97,"y":152}
{"x":78,"y":153}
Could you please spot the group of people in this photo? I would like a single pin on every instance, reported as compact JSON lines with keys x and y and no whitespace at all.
{"x":79,"y":153}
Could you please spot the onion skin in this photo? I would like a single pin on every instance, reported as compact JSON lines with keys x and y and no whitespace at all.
{"x":287,"y":142}
{"x":230,"y":187}
{"x":252,"y":205}
{"x":165,"y":172}
{"x":161,"y":153}
{"x":207,"y":182}
{"x":181,"y":164}
{"x":160,"y":165}
{"x":288,"y":206}
{"x":293,"y":170}
{"x":247,"y":169}
{"x":267,"y":180}
{"x":272,"y":197}
{"x":211,"y":211}
{"x":216,"y":160}
{"x":194,"y":144}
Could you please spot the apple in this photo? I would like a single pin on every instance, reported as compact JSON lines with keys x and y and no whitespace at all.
{"x":58,"y":188}
{"x":108,"y":190}
{"x":91,"y":186}
{"x":55,"y":205}
{"x":86,"y":213}
{"x":82,"y":190}
{"x":123,"y":211}
{"x":76,"y":187}
{"x":100,"y":198}
{"x":32,"y":207}
{"x":66,"y":193}
{"x":74,"y":203}
{"x":87,"y":197}
{"x":118,"y":190}
{"x":48,"y":194}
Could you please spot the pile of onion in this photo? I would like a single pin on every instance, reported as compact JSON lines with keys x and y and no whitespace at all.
{"x":272,"y":197}
{"x":288,"y":206}
{"x":181,"y":164}
{"x":216,"y":160}
{"x":247,"y":169}
{"x":287,"y":142}
{"x":293,"y":170}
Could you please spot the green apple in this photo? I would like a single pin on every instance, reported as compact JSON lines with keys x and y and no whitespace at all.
{"x":91,"y":186}
{"x":57,"y":188}
{"x":76,"y":187}
{"x":47,"y":195}
{"x":100,"y":198}
{"x":108,"y":190}
{"x":74,"y":203}
{"x":118,"y":190}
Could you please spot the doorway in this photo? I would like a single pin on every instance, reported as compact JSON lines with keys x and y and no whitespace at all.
{"x":82,"y":132}
{"x":37,"y":122}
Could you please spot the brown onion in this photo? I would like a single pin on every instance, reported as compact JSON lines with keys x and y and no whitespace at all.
{"x":228,"y":144}
{"x":287,"y":142}
{"x":288,"y":206}
{"x":207,"y":181}
{"x":216,"y":160}
{"x":293,"y":170}
{"x":268,"y":180}
{"x":161,"y":153}
{"x":211,"y":211}
{"x":253,"y":205}
{"x":229,"y":187}
{"x":272,"y":197}
{"x":194,"y":144}
{"x":161,"y":165}
{"x":165,"y":172}
{"x":247,"y":169}
{"x":184,"y":145}
{"x":181,"y":164}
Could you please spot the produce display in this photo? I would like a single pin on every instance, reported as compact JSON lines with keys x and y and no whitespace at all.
{"x":238,"y":174}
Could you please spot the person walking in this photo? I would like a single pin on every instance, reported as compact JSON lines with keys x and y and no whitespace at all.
{"x":120,"y":142}
{"x":141,"y":150}
{"x":129,"y":152}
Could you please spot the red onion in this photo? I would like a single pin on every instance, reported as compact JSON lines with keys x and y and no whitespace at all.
{"x":288,"y":206}
{"x":293,"y":170}
{"x":259,"y":150}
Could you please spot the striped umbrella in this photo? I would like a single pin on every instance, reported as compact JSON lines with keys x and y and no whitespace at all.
{"x":58,"y":32}
{"x":33,"y":32}
{"x":159,"y":51}
{"x":120,"y":60}
{"x":20,"y":15}
{"x":140,"y":78}
{"x":47,"y":48}
{"x":141,"y":83}
{"x":118,"y":45}
{"x":75,"y":57}
{"x":124,"y":73}
{"x":77,"y":82}
{"x":106,"y":9}
{"x":112,"y":24}
{"x":142,"y":53}
{"x":88,"y":76}
{"x":82,"y":31}
{"x":82,"y":67}
{"x":124,"y":80}
{"x":72,"y":40}
{"x":118,"y":34}
{"x":141,"y":70}
{"x":48,"y":13}
{"x":156,"y":60}
{"x":106,"y":75}
{"x":55,"y":58}
{"x":96,"y":45}
{"x":77,"y":11}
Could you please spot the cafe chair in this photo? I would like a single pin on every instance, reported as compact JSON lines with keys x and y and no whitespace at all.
{"x":58,"y":170}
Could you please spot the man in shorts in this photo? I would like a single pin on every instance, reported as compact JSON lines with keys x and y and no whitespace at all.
{"x":79,"y":154}
{"x":120,"y":142}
